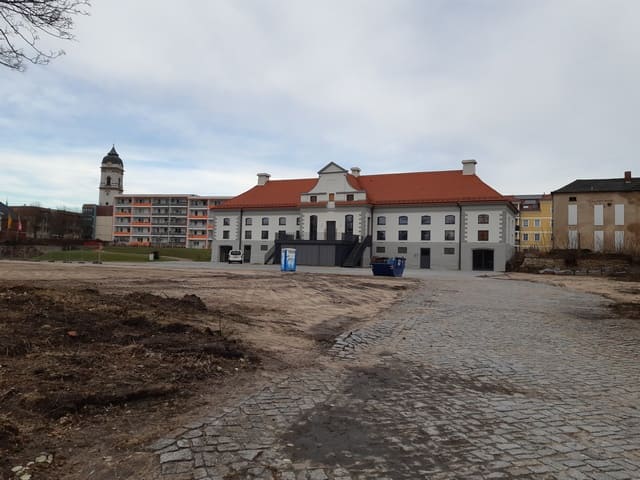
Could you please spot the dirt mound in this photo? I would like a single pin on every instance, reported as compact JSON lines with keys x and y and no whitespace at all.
{"x":77,"y":351}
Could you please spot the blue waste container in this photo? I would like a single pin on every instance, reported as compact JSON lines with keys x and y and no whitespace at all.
{"x":388,"y":267}
{"x":288,"y":260}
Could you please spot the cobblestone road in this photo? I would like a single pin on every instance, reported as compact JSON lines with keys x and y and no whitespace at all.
{"x":470,"y":378}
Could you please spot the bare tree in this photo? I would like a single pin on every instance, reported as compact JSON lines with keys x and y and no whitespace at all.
{"x":22,"y":22}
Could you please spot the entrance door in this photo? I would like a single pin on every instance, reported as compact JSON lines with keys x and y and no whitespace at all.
{"x":224,"y":253}
{"x":425,"y":258}
{"x":246,"y":256}
{"x":483,"y":259}
{"x":331,"y":230}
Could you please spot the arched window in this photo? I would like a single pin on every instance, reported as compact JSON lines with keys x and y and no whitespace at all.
{"x":483,"y":218}
{"x":450,"y":219}
{"x":108,"y":180}
{"x":403,"y":220}
{"x":425,"y":220}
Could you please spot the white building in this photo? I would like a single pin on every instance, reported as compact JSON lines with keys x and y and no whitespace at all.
{"x":443,"y":220}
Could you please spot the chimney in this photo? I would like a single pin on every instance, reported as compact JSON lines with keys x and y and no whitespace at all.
{"x":355,"y":171}
{"x":469,"y":167}
{"x":263,"y":178}
{"x":627,"y":177}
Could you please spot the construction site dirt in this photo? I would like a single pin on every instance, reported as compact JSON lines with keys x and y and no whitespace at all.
{"x":97,"y":361}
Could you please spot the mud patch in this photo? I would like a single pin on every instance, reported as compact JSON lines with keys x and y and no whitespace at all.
{"x":395,"y":421}
{"x":326,"y":332}
{"x":627,"y":310}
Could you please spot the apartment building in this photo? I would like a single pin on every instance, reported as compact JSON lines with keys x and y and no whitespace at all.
{"x":602,"y":215}
{"x":180,"y":220}
{"x":534,"y":223}
{"x":448,"y":220}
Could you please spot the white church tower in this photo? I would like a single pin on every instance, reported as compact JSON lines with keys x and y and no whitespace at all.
{"x":111,"y":177}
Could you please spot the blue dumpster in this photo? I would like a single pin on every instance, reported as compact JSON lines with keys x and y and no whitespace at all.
{"x":288,"y":260}
{"x":388,"y":267}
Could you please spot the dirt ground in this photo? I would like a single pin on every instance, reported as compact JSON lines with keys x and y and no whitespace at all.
{"x":624,"y":291}
{"x":97,"y":361}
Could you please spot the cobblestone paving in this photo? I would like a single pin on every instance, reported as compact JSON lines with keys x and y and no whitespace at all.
{"x":470,"y":378}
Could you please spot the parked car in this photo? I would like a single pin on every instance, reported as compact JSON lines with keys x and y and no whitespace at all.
{"x":235,"y":256}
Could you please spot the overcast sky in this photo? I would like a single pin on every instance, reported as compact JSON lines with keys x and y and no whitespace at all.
{"x":198,"y":96}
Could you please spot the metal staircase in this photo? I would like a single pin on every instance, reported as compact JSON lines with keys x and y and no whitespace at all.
{"x":354,"y":259}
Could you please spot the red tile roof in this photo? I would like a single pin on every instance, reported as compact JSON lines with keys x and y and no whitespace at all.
{"x":385,"y":189}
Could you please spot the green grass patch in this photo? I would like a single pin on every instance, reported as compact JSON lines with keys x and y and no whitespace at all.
{"x":194,"y":254}
{"x":127,"y":254}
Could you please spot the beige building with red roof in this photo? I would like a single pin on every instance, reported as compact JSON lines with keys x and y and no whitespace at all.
{"x":448,"y":220}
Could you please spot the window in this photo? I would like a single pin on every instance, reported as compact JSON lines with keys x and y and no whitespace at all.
{"x":348,"y":224}
{"x":332,"y":197}
{"x":598,"y":240}
{"x":573,"y":239}
{"x":525,"y":223}
{"x":425,"y":235}
{"x":483,"y":219}
{"x":449,"y":234}
{"x":483,"y":235}
{"x":225,"y":234}
{"x":619,"y":213}
{"x":380,"y":249}
{"x":525,"y":237}
{"x":425,"y":220}
{"x":282,"y":221}
{"x":598,"y":214}
{"x":382,"y":220}
{"x":264,"y":248}
{"x":572,"y":199}
{"x":573,"y":214}
{"x":248,"y":221}
{"x":282,"y":235}
{"x":297,"y":220}
{"x":402,"y":249}
{"x":313,"y":198}
{"x":381,"y":235}
{"x":403,"y":220}
{"x":536,"y":222}
{"x":618,"y":240}
{"x":247,"y":234}
{"x":265,"y":220}
{"x":536,"y":237}
{"x":402,"y":234}
{"x":349,"y":197}
{"x":450,"y":219}
{"x":226,"y":221}
{"x":449,"y":251}
{"x":108,"y":180}
{"x":264,"y":235}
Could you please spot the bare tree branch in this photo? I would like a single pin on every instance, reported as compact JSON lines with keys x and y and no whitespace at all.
{"x":23,"y":21}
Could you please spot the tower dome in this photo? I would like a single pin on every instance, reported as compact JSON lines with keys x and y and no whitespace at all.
{"x":112,"y":157}
{"x":111,"y":177}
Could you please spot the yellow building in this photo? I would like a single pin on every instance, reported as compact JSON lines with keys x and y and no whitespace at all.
{"x":534,"y":229}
